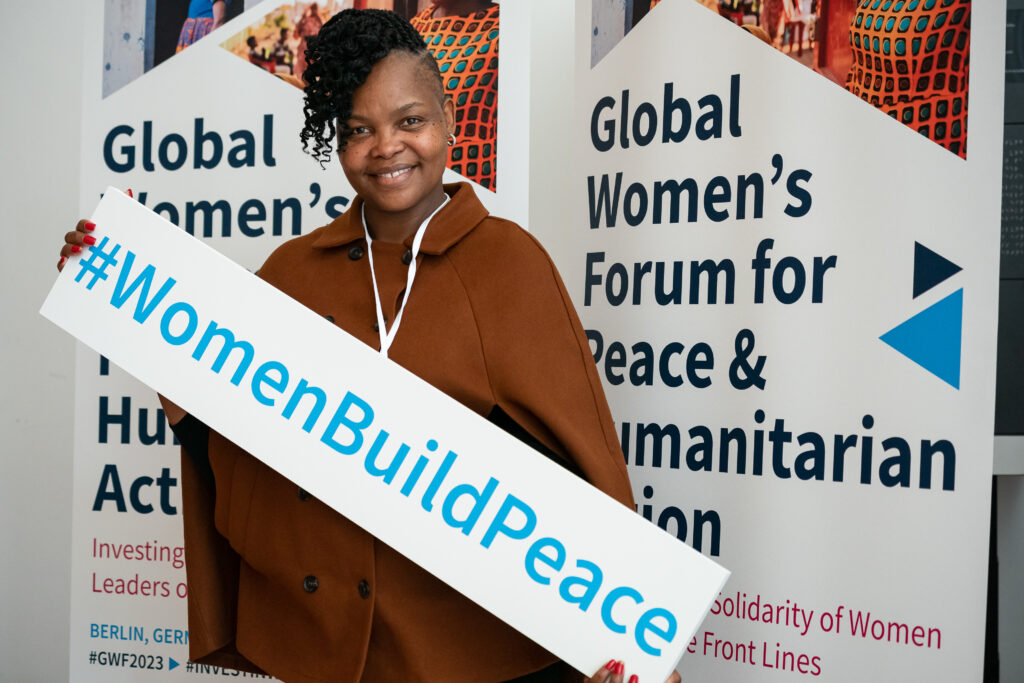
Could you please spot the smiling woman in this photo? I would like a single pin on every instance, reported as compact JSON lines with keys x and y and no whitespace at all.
{"x":395,"y":144}
{"x":280,"y":583}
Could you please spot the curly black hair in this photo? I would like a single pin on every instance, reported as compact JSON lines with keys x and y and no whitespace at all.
{"x":340,"y":58}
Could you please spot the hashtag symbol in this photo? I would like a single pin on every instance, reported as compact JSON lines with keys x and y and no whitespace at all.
{"x":97,"y":270}
{"x":188,"y":666}
{"x":92,"y":657}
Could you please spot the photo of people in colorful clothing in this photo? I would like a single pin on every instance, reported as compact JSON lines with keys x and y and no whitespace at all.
{"x":277,"y":43}
{"x":141,"y":36}
{"x":908,"y":58}
{"x":462,"y":36}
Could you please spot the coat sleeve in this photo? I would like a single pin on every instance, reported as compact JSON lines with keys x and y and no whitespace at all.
{"x":211,"y":565}
{"x":539,"y":365}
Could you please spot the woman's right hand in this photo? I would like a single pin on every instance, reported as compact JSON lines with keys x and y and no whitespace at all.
{"x":75,"y":241}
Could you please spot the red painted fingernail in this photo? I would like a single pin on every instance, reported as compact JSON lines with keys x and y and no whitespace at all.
{"x":620,"y":668}
{"x":75,"y":249}
{"x":89,"y":239}
{"x":129,"y":191}
{"x":62,"y":260}
{"x":610,"y":666}
{"x":634,"y":679}
{"x":89,"y":225}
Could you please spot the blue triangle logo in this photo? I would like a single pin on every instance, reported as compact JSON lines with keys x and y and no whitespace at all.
{"x":171,"y":664}
{"x":932,"y":338}
{"x":930,"y":269}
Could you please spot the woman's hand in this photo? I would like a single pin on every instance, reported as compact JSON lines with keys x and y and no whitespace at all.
{"x":75,"y":241}
{"x":615,"y":672}
{"x":79,"y":238}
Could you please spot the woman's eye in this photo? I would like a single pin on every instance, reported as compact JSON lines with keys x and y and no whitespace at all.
{"x":412,"y":120}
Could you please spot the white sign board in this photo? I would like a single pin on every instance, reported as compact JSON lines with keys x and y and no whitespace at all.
{"x":486,"y":514}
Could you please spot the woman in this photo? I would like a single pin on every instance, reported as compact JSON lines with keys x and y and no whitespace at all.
{"x":282,"y":53}
{"x":307,"y":26}
{"x":278,"y":582}
{"x":798,"y":23}
{"x":204,"y":16}
{"x":774,"y":15}
{"x":256,"y":55}
{"x":912,"y":62}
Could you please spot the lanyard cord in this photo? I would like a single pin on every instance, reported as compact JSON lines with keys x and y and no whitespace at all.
{"x":388,"y":336}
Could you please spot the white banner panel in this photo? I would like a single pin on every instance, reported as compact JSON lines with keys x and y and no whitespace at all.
{"x":478,"y":509}
{"x":791,"y":295}
{"x":208,"y":137}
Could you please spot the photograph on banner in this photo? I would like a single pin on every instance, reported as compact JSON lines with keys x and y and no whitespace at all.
{"x":465,"y":47}
{"x":910,"y":60}
{"x":791,"y":299}
{"x":277,"y":43}
{"x":140,"y":36}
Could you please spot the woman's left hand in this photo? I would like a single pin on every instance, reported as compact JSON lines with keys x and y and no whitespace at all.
{"x":615,"y":672}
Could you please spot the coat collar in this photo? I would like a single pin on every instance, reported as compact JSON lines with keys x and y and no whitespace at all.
{"x":463,"y":213}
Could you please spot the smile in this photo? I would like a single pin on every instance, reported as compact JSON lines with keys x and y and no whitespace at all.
{"x":393,"y":176}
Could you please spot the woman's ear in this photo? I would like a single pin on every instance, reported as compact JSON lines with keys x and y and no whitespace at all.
{"x":449,"y":113}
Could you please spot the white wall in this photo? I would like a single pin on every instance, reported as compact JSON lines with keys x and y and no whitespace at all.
{"x":38,"y":198}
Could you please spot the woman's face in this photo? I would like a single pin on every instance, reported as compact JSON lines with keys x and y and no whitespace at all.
{"x":398,"y":147}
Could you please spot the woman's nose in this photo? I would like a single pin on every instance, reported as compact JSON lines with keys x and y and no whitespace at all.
{"x":388,"y":143}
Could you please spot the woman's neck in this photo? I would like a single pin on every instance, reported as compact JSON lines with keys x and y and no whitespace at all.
{"x":458,"y":8}
{"x":386,"y":226}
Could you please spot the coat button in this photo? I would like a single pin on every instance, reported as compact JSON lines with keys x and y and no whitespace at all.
{"x":304,"y":495}
{"x":407,"y":257}
{"x":364,"y":588}
{"x":356,"y":252}
{"x":310,"y":584}
{"x":329,"y":318}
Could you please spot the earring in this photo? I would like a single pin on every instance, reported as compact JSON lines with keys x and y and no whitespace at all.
{"x":452,"y":140}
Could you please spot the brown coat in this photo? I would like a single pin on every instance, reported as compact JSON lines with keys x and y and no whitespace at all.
{"x":490,"y":324}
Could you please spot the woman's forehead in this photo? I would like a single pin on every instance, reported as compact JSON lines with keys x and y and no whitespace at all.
{"x":401,"y":65}
{"x":398,"y":82}
{"x":393,"y":108}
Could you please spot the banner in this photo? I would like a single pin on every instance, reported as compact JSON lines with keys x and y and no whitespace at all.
{"x":202,"y":122}
{"x":786,"y":259}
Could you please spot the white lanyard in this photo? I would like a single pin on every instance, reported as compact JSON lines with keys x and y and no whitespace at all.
{"x":388,"y":336}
